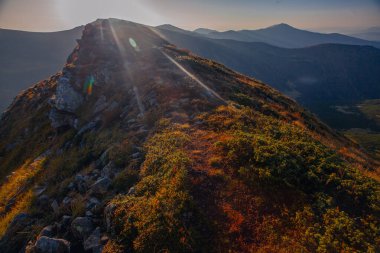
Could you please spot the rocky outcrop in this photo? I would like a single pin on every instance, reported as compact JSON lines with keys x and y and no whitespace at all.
{"x":64,"y":102}
{"x":66,"y":97}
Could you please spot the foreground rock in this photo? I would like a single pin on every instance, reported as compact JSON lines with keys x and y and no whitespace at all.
{"x":82,"y":227}
{"x":49,"y":245}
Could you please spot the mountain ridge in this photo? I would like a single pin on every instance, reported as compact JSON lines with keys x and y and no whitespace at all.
{"x":286,"y":36}
{"x":139,"y":146}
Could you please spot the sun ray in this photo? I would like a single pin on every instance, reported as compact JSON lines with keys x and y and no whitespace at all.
{"x":123,"y":54}
{"x":210,"y":91}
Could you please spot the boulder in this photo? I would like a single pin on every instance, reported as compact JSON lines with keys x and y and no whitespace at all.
{"x":54,"y":205}
{"x":66,"y":98}
{"x":49,"y":245}
{"x":108,"y":170}
{"x":88,"y":127}
{"x":81,"y":227}
{"x":136,"y":155}
{"x":100,"y":104}
{"x":132,"y":191}
{"x":65,"y":222}
{"x":60,"y":119}
{"x":80,"y":183}
{"x":101,"y":186}
{"x":93,"y":241}
{"x":47,"y":231}
{"x":92,"y":203}
{"x":38,"y":190}
{"x":66,"y":201}
{"x":108,"y":215}
{"x":103,"y":159}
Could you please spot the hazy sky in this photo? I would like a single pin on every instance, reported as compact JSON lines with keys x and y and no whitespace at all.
{"x":322,"y":15}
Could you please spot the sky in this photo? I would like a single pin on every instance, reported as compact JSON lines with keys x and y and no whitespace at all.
{"x":318,"y":15}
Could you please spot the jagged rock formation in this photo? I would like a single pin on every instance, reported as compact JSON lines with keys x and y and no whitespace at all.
{"x":149,"y":148}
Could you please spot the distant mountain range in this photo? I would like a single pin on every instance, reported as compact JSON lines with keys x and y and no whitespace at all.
{"x":286,"y":36}
{"x":323,"y":78}
{"x":28,"y":57}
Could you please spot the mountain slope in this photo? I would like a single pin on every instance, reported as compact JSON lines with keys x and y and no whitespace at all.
{"x":137,"y":146}
{"x":286,"y":36}
{"x":28,"y":57}
{"x":322,"y":78}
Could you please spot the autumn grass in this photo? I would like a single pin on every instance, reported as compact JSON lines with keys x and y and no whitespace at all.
{"x":17,"y":188}
{"x":367,"y":139}
{"x":23,"y":203}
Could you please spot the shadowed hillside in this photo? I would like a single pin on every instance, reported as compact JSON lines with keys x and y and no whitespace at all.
{"x":28,"y":57}
{"x":323,"y":78}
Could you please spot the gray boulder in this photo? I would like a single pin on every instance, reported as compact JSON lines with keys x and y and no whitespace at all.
{"x":49,"y":245}
{"x":108,"y":170}
{"x":88,"y":127}
{"x":100,"y":104}
{"x":101,"y":186}
{"x":47,"y":231}
{"x":81,"y":227}
{"x":60,"y":119}
{"x":92,"y":203}
{"x":108,"y":215}
{"x":66,"y":98}
{"x":93,"y":241}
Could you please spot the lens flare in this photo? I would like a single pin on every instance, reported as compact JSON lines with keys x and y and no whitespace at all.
{"x":134,"y":44}
{"x":88,"y":85}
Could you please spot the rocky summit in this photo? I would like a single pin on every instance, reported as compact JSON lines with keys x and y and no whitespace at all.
{"x":139,"y":146}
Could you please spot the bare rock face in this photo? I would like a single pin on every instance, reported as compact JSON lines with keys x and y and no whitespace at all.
{"x":49,"y":245}
{"x":64,"y":103}
{"x":66,"y":98}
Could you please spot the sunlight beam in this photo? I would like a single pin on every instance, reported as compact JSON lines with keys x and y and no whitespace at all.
{"x":204,"y":86}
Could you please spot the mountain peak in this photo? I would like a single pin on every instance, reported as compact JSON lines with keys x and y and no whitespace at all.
{"x":171,"y":28}
{"x":204,"y":31}
{"x":282,"y":26}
